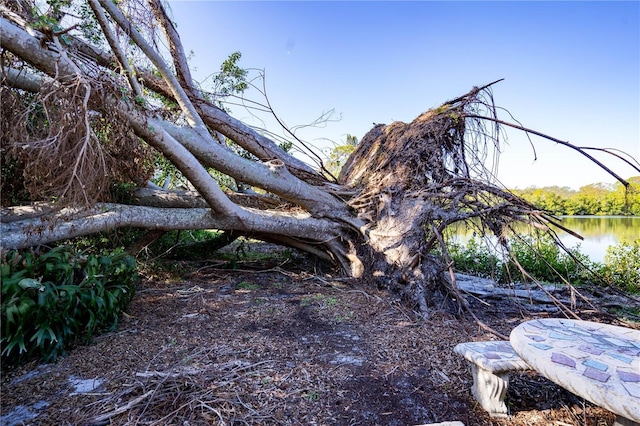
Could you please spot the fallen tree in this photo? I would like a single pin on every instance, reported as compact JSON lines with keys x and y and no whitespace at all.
{"x":82,"y":110}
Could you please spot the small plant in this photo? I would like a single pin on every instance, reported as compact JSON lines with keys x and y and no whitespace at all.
{"x":319,"y":300}
{"x":312,"y":396}
{"x":330,"y":302}
{"x":247,"y":285}
{"x":346,"y":316}
{"x":306,"y":301}
{"x":53,"y":300}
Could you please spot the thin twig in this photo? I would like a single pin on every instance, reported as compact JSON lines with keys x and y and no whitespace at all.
{"x":123,"y":409}
{"x":551,"y":138}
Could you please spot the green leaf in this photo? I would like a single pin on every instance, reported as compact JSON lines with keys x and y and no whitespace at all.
{"x":19,"y":341}
{"x":43,"y":334}
{"x":26,"y":283}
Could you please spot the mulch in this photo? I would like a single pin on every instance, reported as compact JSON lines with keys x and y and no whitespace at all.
{"x":275,"y":345}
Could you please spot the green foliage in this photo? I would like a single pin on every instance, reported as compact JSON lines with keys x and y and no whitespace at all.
{"x":174,"y":240}
{"x":543,"y":260}
{"x":476,"y":258}
{"x":115,"y":239}
{"x":50,"y":21}
{"x":319,"y":301}
{"x":123,"y":192}
{"x":232,"y":78}
{"x":594,"y":199}
{"x":54,"y":300}
{"x":339,"y":155}
{"x":247,"y":285}
{"x":622,"y":266}
{"x":89,"y":25}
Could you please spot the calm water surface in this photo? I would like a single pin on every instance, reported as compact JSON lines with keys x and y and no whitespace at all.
{"x":599,"y":232}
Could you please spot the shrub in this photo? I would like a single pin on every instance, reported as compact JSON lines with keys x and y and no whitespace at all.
{"x":544,"y":260}
{"x":475,"y":258}
{"x":622,"y":266}
{"x":57,"y":299}
{"x":539,"y":256}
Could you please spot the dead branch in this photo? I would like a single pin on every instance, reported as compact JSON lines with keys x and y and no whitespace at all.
{"x":581,"y":150}
{"x":115,"y":47}
{"x":120,"y":410}
{"x":177,"y":90}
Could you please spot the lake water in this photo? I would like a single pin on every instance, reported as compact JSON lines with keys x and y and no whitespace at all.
{"x":599,"y":232}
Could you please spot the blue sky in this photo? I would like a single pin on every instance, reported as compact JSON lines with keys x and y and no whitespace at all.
{"x":571,"y":69}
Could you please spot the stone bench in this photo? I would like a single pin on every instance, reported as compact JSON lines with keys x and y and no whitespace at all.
{"x":491,"y":363}
{"x":598,"y":362}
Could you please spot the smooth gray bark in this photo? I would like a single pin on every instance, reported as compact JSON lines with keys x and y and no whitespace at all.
{"x":72,"y":223}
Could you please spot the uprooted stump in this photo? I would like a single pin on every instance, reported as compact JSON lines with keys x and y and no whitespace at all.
{"x":415,"y":179}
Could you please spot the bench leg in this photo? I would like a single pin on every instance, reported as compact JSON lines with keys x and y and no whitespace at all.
{"x":489,"y":389}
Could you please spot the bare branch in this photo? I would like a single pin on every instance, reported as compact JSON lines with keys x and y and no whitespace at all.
{"x":260,"y":146}
{"x":178,"y":92}
{"x":635,"y":164}
{"x":115,"y":47}
{"x":72,"y":223}
{"x":567,"y":144}
{"x":175,"y":45}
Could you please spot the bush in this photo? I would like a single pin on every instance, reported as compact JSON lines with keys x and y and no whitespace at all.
{"x":475,"y":258}
{"x":539,"y":256}
{"x":544,"y":260}
{"x":621,"y":267}
{"x":57,"y":299}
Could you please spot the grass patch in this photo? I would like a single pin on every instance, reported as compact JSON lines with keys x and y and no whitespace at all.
{"x":247,"y":285}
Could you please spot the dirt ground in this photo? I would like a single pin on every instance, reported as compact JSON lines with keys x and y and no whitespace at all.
{"x":276,"y":342}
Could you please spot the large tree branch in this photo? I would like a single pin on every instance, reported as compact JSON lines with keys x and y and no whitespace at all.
{"x":185,"y":161}
{"x":178,"y":92}
{"x":270,"y":176}
{"x":23,"y":80}
{"x":175,"y":45}
{"x":115,"y":46}
{"x":71,"y":223}
{"x":29,"y":48}
{"x":246,"y":137}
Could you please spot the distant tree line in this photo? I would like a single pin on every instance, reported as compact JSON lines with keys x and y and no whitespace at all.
{"x":593,"y":199}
